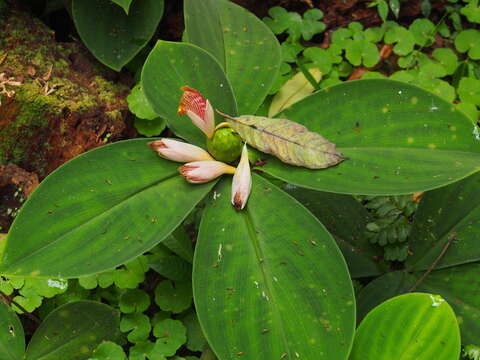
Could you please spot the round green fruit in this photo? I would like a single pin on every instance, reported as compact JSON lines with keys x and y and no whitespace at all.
{"x":225,"y":145}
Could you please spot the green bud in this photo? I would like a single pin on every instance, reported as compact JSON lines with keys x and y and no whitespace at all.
{"x":225,"y":145}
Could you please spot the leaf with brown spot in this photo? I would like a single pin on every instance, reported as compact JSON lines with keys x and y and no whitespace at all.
{"x":289,"y":141}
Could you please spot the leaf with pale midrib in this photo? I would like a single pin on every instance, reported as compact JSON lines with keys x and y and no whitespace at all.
{"x":289,"y":141}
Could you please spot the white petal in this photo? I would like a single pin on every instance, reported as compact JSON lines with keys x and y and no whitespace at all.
{"x":242,"y":181}
{"x":179,"y":151}
{"x":198,"y":172}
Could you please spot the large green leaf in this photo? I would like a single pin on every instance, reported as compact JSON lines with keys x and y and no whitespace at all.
{"x":73,"y":331}
{"x":409,"y":327}
{"x":110,"y":34}
{"x":346,"y":219}
{"x":12,"y":339}
{"x":243,"y":45}
{"x":459,"y":285}
{"x":203,"y":27}
{"x":447,"y":215}
{"x":97,"y":211}
{"x":398,"y":139}
{"x":173,"y":65}
{"x":265,"y":286}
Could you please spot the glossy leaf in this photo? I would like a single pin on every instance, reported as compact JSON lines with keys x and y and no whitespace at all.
{"x":447,"y":215}
{"x":290,"y":142}
{"x":172,"y":65}
{"x":459,"y":285}
{"x":112,"y":36}
{"x":12,"y":339}
{"x":346,"y":219}
{"x":243,"y":45}
{"x":265,"y":287}
{"x":203,"y":27}
{"x":409,"y":327}
{"x":73,"y":331}
{"x":98,"y":211}
{"x":397,"y":138}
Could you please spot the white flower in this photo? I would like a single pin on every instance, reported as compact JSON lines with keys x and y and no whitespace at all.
{"x":199,"y":172}
{"x":179,"y":151}
{"x":242,"y":181}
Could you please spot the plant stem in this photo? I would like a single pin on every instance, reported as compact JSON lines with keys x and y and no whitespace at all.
{"x":434,"y":264}
{"x":308,"y":76}
{"x":8,"y":300}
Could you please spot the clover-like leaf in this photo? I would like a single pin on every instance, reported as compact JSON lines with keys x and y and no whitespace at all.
{"x":150,"y":127}
{"x":141,"y":351}
{"x":137,"y":325}
{"x":174,"y":298}
{"x":324,"y":59}
{"x":402,"y":38}
{"x":341,"y":36}
{"x":472,"y":11}
{"x":374,"y":34}
{"x":281,"y":20}
{"x":195,"y":338}
{"x":34,"y":290}
{"x":469,"y":90}
{"x":447,"y":58}
{"x":108,"y":351}
{"x":139,"y":105}
{"x":360,"y":51}
{"x":131,"y":274}
{"x":134,"y":300}
{"x":469,"y":41}
{"x":170,"y":334}
{"x":423,"y":31}
{"x":8,"y":285}
{"x":311,"y":23}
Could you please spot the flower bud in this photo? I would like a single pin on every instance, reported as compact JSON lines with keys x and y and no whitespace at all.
{"x":198,"y":110}
{"x":225,"y":145}
{"x":242,"y":181}
{"x":199,"y":172}
{"x":179,"y":151}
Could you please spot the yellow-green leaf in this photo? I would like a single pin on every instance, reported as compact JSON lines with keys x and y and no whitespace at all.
{"x":294,"y":90}
{"x":289,"y":141}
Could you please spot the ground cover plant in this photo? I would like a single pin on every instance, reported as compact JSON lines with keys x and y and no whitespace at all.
{"x":347,"y":232}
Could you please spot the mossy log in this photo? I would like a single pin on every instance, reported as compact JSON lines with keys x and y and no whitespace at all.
{"x":56,"y":100}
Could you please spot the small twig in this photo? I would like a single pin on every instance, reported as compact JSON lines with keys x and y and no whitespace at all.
{"x":8,"y":300}
{"x":451,"y":237}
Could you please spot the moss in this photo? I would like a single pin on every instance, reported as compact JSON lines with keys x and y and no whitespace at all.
{"x":57,"y":79}
{"x":114,"y":114}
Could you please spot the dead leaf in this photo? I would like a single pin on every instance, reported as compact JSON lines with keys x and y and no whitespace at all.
{"x":294,"y":90}
{"x":289,"y":141}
